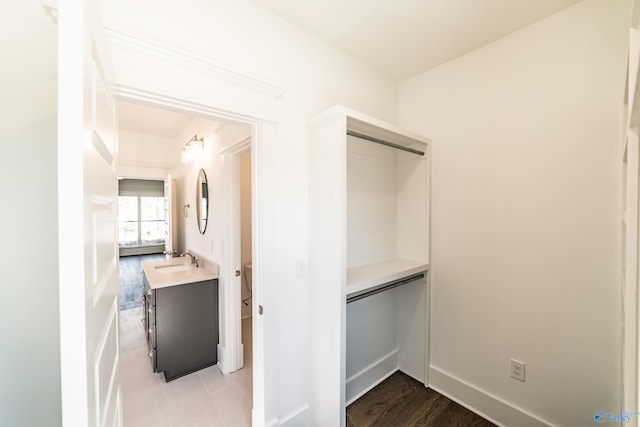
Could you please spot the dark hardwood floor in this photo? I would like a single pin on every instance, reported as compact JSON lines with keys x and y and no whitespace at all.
{"x":130,"y":280}
{"x":402,"y":401}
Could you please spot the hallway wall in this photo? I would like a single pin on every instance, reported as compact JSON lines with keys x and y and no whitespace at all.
{"x":526,"y":215}
{"x":29,"y":302}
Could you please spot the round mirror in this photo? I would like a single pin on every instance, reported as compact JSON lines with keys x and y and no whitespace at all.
{"x":202,"y":201}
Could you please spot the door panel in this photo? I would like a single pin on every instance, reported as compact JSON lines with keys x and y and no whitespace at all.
{"x":89,"y":282}
{"x":105,"y":371}
{"x":101,"y":250}
{"x":104,"y":119}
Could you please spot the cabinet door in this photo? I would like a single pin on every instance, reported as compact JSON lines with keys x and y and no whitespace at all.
{"x":148,"y":311}
{"x":145,"y":305}
{"x":151,"y":337}
{"x":186,"y":328}
{"x":145,"y":311}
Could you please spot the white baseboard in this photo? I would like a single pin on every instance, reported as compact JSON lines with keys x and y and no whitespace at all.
{"x":227,"y":364}
{"x":490,"y":407}
{"x":482,"y":403}
{"x":220,"y":358}
{"x":369,"y":377}
{"x":297,"y":418}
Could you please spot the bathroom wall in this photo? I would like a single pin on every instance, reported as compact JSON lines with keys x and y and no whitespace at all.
{"x":526,"y":216}
{"x":246,"y":39}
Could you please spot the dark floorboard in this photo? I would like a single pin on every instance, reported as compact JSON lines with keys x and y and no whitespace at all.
{"x":401,"y":401}
{"x":131,"y":279}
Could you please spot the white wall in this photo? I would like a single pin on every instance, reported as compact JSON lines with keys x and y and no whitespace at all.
{"x":526,"y":212}
{"x":147,"y":156}
{"x":29,"y":318}
{"x":242,"y":36}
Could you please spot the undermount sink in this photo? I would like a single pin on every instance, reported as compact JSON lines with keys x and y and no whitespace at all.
{"x":165,"y":272}
{"x":172,"y":268}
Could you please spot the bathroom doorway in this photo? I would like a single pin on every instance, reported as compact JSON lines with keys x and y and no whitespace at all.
{"x":235,"y":350}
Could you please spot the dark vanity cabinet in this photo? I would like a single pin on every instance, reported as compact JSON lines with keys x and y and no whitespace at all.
{"x":181,"y":326}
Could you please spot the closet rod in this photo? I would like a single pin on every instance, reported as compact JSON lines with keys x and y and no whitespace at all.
{"x":385,"y":287}
{"x":383,"y":142}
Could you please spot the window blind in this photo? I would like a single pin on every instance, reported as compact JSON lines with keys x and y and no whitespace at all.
{"x":141,"y":187}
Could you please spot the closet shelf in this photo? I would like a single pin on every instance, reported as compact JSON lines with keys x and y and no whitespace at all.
{"x":368,"y":276}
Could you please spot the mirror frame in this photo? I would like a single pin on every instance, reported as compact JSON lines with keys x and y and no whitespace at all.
{"x":202,"y":201}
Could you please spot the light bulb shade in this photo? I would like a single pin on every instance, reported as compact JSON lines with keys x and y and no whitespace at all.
{"x":192,"y":148}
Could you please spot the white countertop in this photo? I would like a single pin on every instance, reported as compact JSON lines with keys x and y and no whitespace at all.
{"x":174,"y":271}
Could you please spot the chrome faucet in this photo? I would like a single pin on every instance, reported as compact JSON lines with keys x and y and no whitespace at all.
{"x":194,"y":260}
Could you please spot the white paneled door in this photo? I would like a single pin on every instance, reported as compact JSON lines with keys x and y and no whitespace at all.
{"x":87,"y":211}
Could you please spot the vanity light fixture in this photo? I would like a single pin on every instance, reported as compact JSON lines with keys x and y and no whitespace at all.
{"x":193,"y":146}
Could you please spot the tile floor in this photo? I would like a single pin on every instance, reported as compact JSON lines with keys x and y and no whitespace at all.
{"x":203,"y":398}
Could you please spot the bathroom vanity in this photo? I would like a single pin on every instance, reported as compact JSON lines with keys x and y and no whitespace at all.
{"x":180,"y":303}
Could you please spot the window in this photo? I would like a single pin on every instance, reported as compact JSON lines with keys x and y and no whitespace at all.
{"x":141,"y":212}
{"x":128,"y":221}
{"x":141,"y":221}
{"x":152,"y":224}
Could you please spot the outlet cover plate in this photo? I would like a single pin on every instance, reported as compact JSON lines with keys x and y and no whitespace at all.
{"x":517,"y":370}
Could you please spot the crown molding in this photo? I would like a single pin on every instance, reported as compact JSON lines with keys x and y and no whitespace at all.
{"x":177,"y":56}
{"x":163,"y":101}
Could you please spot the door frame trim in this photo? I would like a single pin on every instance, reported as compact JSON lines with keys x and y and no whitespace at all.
{"x":232,"y":245}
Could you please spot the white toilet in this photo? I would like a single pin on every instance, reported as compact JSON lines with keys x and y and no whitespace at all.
{"x":247,"y":283}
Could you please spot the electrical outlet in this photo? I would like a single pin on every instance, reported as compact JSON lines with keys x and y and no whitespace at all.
{"x":301,"y":267}
{"x":517,"y":370}
{"x":211,"y":245}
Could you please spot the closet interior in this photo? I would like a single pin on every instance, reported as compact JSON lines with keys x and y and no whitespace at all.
{"x":368,"y":257}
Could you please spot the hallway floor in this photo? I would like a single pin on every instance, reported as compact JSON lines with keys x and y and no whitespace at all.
{"x":203,"y":398}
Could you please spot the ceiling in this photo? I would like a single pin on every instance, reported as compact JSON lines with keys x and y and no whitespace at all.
{"x":140,"y":118}
{"x":400,"y":38}
{"x":403,"y":38}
